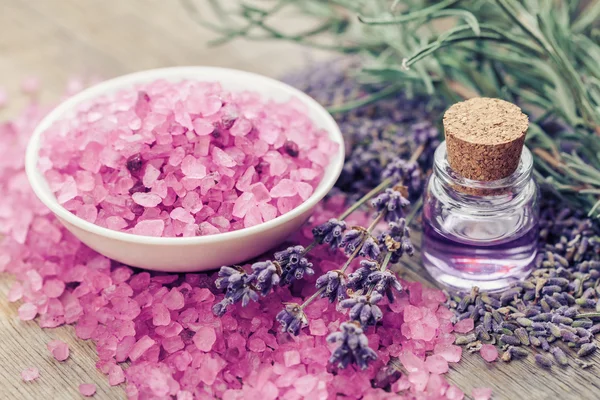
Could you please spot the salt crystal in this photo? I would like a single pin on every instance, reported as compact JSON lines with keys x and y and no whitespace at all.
{"x":59,"y":349}
{"x":149,"y":227}
{"x":305,"y":385}
{"x":202,"y":127}
{"x":253,"y":217}
{"x":151,"y":174}
{"x":87,"y":389}
{"x":412,"y":313}
{"x":488,"y":352}
{"x":27,"y":312}
{"x":205,"y":338}
{"x":181,"y":214}
{"x":256,"y":345}
{"x":146,"y":199}
{"x":318,"y":328}
{"x":450,"y":352}
{"x":140,"y":347}
{"x":116,"y":375}
{"x":464,"y":326}
{"x":419,"y":379}
{"x":15,"y":293}
{"x":481,"y":393}
{"x":304,"y":190}
{"x":454,"y":393}
{"x":193,"y":167}
{"x":174,"y":300}
{"x":291,"y":358}
{"x":436,"y":364}
{"x":30,"y":374}
{"x":243,"y":203}
{"x":221,"y":158}
{"x":160,"y":315}
{"x":285,"y":188}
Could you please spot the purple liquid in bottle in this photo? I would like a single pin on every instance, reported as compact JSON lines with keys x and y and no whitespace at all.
{"x":484,"y":241}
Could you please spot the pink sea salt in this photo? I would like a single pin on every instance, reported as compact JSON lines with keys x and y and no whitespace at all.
{"x":59,"y":349}
{"x":464,"y":326}
{"x":436,"y":364}
{"x":146,"y":159}
{"x":489,"y":352}
{"x":87,"y":389}
{"x":30,"y":374}
{"x":162,"y":324}
{"x":481,"y":393}
{"x":27,"y":312}
{"x":205,"y":338}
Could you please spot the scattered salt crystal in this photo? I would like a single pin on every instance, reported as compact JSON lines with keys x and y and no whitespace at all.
{"x":160,"y":315}
{"x":174,"y":300}
{"x":450,"y":352}
{"x":87,"y":389}
{"x":59,"y":349}
{"x":488,"y":352}
{"x":454,"y":393}
{"x":27,"y":312}
{"x":256,"y":345}
{"x":464,"y":326}
{"x":436,"y":364}
{"x":318,"y":328}
{"x":291,"y":358}
{"x":205,"y":338}
{"x":116,"y":375}
{"x":15,"y":293}
{"x":181,"y":214}
{"x":481,"y":393}
{"x":30,"y":374}
{"x":419,"y":379}
{"x":140,"y":347}
{"x":305,"y":385}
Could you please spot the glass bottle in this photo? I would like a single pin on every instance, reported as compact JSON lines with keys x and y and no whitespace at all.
{"x":487,"y":239}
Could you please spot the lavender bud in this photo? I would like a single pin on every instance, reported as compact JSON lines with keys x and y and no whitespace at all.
{"x":330,"y":233}
{"x":543,"y":361}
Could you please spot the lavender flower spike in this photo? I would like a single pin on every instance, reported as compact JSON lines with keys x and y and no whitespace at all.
{"x":352,"y":240}
{"x":266,"y":274}
{"x":293,"y":264}
{"x":370,"y":249}
{"x":353,"y":347}
{"x":292,"y":319}
{"x":359,"y":278}
{"x":330,"y":232}
{"x":335,"y":284}
{"x":364,"y":309}
{"x":238,"y":287}
{"x":392,"y":203}
{"x":384,"y":282}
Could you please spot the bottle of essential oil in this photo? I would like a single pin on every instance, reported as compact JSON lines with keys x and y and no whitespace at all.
{"x":480,"y":215}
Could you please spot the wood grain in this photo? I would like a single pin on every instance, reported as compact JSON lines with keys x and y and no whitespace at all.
{"x":56,"y":39}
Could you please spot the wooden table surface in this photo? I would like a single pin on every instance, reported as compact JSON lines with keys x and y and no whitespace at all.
{"x":57,"y":39}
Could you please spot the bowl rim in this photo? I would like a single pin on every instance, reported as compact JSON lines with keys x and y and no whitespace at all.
{"x":109,"y":86}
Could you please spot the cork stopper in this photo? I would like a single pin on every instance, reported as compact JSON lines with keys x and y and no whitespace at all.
{"x":484,"y":138}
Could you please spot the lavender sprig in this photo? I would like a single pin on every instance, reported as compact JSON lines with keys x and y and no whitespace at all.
{"x":353,"y":347}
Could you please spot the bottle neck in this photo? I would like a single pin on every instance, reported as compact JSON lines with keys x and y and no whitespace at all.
{"x":481,"y":193}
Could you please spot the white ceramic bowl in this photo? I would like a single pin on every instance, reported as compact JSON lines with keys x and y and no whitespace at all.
{"x":199,"y":253}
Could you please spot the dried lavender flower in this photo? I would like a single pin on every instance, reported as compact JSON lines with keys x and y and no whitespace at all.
{"x":543,"y":361}
{"x":334,"y":283}
{"x":370,"y":249}
{"x":265,"y":274}
{"x":358,"y":279}
{"x":586,"y":349}
{"x":293,"y":263}
{"x":292,"y":319}
{"x":352,"y":240}
{"x":559,"y":356}
{"x":364,"y":309}
{"x":392,"y":204}
{"x":353,"y":347}
{"x":330,"y":232}
{"x":385,"y":283}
